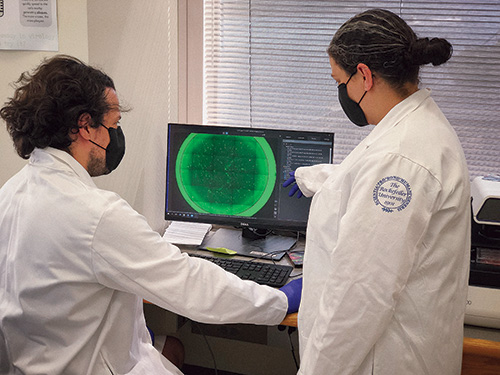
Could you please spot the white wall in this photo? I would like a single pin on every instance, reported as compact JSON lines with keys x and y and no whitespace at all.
{"x":135,"y":42}
{"x":73,"y":40}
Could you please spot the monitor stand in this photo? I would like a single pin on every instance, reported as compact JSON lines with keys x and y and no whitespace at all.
{"x":249,"y":243}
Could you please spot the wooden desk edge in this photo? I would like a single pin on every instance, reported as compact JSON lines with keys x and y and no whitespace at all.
{"x":485,"y":348}
{"x":290,"y":320}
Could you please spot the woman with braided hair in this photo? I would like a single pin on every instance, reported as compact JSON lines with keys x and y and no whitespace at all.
{"x":387,"y":245}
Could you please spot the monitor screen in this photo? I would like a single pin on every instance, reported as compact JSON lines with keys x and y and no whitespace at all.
{"x":233,"y":175}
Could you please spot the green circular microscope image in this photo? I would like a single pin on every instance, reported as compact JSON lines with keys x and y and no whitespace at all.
{"x":225,"y":174}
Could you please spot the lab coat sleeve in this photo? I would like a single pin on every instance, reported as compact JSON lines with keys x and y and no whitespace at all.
{"x":311,"y":178}
{"x":129,"y":256}
{"x":372,"y":260}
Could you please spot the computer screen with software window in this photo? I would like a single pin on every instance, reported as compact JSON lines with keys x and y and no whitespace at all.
{"x":234,"y":175}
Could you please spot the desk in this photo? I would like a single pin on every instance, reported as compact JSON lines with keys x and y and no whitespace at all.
{"x":480,"y":357}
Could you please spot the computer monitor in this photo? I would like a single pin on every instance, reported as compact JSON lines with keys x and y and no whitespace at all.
{"x":233,"y":176}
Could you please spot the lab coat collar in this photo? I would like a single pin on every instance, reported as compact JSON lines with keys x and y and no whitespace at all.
{"x":398,"y":113}
{"x":57,"y":159}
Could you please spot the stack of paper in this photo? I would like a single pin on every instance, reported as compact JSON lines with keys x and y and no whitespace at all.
{"x":186,"y":233}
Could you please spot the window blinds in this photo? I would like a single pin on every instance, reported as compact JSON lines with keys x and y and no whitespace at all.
{"x":266,"y":66}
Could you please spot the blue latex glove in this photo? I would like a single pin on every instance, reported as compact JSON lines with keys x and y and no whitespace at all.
{"x":295,"y":187}
{"x":293,"y":291}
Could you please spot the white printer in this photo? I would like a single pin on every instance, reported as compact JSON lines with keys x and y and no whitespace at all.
{"x":483,"y":301}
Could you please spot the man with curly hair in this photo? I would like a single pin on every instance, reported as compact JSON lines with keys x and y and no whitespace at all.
{"x":76,"y":261}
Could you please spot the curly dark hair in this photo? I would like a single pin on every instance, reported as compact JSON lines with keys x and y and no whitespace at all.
{"x":387,"y":45}
{"x":47,"y":103}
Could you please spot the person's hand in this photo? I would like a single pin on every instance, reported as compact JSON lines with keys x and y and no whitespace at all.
{"x":295,"y":188}
{"x":293,"y":291}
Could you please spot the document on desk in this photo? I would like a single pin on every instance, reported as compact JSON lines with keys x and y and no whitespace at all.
{"x":186,"y":233}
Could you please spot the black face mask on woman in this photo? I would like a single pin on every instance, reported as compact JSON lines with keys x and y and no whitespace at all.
{"x":352,"y":109}
{"x":115,"y":149}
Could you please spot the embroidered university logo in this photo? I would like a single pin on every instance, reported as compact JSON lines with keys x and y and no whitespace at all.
{"x":392,"y":193}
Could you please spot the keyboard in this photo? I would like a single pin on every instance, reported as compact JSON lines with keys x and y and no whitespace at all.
{"x":275,"y":275}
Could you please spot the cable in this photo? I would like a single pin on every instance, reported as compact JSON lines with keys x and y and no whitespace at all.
{"x":290,"y":331}
{"x":296,"y":275}
{"x":208,"y":345}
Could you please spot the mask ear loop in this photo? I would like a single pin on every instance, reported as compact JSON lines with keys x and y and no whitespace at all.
{"x":350,"y":77}
{"x":362,"y":97}
{"x":104,"y":148}
{"x":98,"y":145}
{"x":348,"y":82}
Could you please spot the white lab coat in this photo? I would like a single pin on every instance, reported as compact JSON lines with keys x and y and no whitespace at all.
{"x":75,"y":265}
{"x":387,"y":251}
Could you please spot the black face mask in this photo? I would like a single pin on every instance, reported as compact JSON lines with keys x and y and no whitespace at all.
{"x":350,"y":107}
{"x":115,"y":149}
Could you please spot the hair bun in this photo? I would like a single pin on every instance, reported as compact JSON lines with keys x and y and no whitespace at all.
{"x":435,"y":51}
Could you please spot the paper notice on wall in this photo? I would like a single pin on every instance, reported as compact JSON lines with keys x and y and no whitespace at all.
{"x":28,"y":25}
